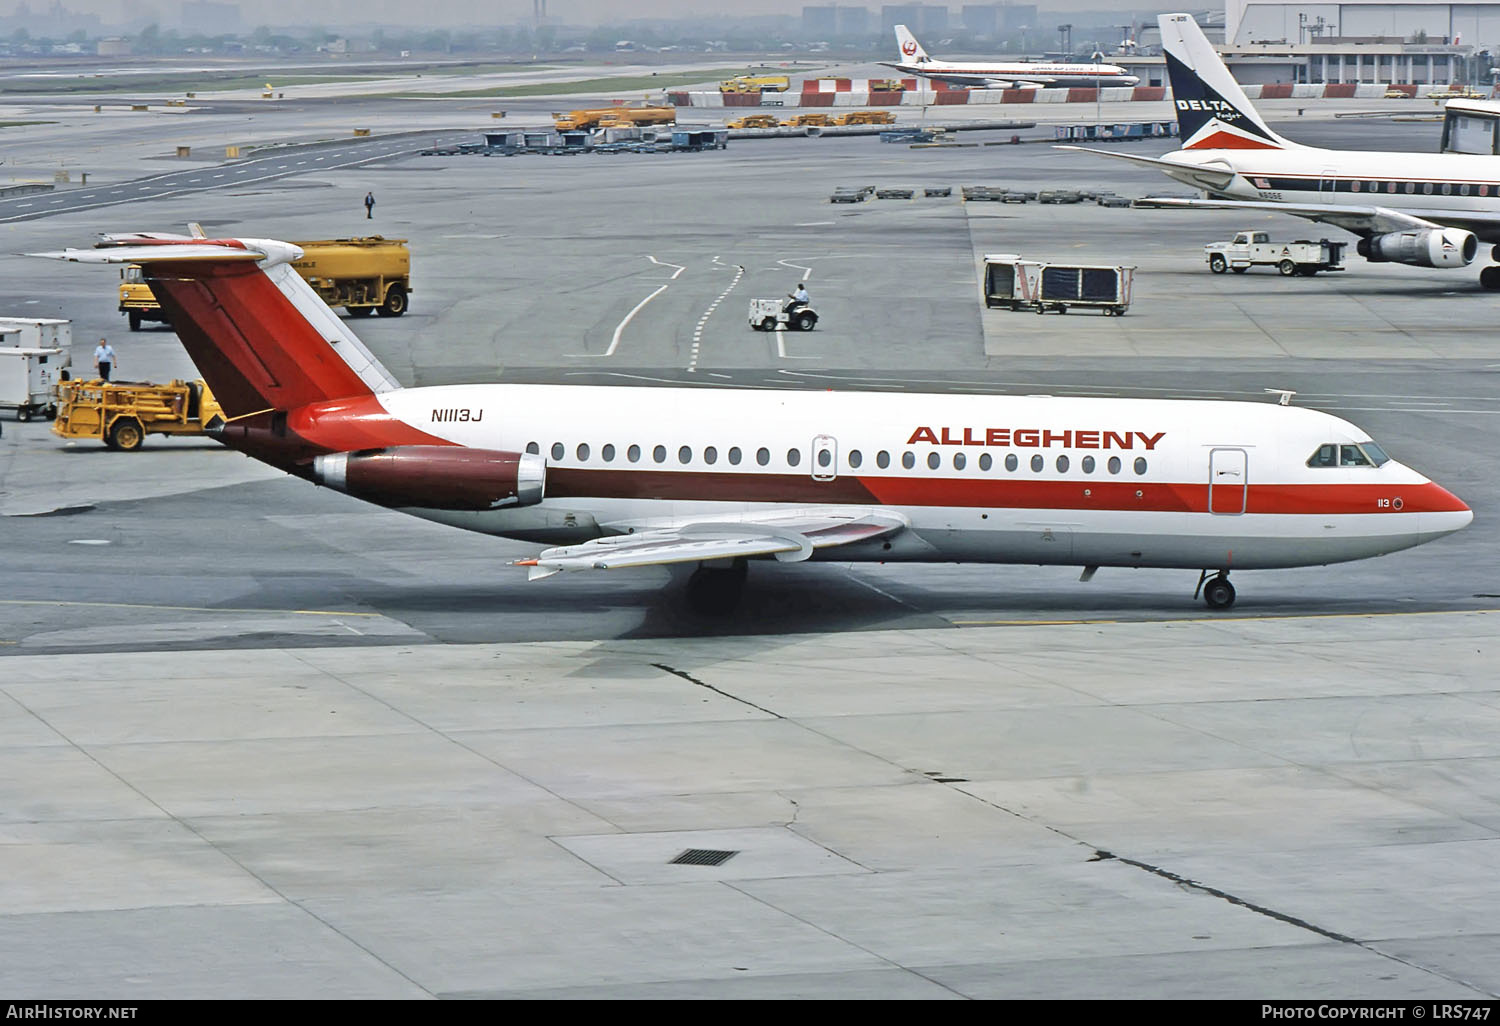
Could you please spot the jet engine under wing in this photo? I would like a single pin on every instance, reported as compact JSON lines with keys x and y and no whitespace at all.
{"x":1203,"y":176}
{"x":1359,"y":220}
{"x":788,"y":536}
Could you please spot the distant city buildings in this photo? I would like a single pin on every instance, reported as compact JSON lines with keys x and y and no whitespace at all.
{"x":983,"y":21}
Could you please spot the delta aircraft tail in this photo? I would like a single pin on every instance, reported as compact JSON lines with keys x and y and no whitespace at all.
{"x":1213,"y":112}
{"x":911,"y":51}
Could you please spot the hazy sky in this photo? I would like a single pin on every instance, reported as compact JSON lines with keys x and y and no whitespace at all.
{"x":502,"y":12}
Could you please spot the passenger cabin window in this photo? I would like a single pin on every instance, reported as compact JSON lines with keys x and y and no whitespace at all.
{"x":933,"y":461}
{"x":908,"y":460}
{"x":533,"y":448}
{"x":882,"y":459}
{"x":985,"y":461}
{"x":633,"y":454}
{"x":659,"y":454}
{"x":763,"y":456}
{"x":734,"y":455}
{"x":855,"y":459}
{"x":608,"y":452}
{"x":558,"y":450}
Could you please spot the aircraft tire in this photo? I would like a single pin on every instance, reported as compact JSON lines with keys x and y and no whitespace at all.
{"x":1218,"y":593}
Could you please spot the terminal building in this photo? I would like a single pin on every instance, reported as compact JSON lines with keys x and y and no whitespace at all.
{"x":1417,"y":43}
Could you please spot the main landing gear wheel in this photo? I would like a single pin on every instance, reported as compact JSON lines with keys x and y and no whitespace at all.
{"x":1489,"y":278}
{"x":715,"y":591}
{"x":1287,"y":268}
{"x":1218,"y":593}
{"x":1218,"y":264}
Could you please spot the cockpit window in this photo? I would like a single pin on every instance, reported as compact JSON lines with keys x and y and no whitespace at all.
{"x":1352,"y":456}
{"x":1326,"y":456}
{"x":1346,"y":454}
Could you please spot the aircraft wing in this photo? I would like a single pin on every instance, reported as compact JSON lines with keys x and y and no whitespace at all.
{"x":789,"y":536}
{"x":146,"y":253}
{"x":1358,"y":220}
{"x":1203,"y":176}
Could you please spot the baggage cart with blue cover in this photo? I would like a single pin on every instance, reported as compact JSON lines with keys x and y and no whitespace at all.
{"x":1013,"y":283}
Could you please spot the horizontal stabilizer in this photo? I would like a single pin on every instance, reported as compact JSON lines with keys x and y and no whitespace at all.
{"x":1201,"y":176}
{"x":152,"y":254}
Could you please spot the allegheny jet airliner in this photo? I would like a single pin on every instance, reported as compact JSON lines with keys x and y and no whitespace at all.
{"x":998,"y":74}
{"x":1423,"y":209}
{"x":614,"y":477}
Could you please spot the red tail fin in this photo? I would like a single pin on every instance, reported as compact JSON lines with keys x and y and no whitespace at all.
{"x":259,"y":335}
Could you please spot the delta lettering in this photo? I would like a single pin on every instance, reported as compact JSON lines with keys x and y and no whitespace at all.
{"x":1036,"y":438}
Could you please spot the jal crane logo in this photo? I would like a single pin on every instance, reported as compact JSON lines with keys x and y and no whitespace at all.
{"x":909,"y":47}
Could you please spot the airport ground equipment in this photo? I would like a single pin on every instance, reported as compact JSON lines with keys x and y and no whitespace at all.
{"x":1016,"y":284}
{"x":866,"y":117}
{"x":37,"y":332}
{"x":27,"y":377}
{"x":122,"y":413}
{"x":1255,"y":249}
{"x":768,"y":314}
{"x":813,"y":120}
{"x":894,"y":192}
{"x":369,"y":274}
{"x":754,"y":121}
{"x":756,"y":84}
{"x":607,"y":117}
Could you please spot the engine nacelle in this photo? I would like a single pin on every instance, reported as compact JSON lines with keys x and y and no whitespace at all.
{"x":435,"y":477}
{"x":1421,"y":247}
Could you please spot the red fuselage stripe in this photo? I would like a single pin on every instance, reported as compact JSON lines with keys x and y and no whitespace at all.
{"x":1010,"y":493}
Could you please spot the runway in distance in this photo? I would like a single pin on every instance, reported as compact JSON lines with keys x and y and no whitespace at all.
{"x":616,"y":477}
{"x":913,"y":60}
{"x":1421,"y":209}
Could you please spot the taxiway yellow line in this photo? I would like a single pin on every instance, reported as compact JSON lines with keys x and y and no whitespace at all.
{"x":180,"y":609}
{"x":1222,"y":619}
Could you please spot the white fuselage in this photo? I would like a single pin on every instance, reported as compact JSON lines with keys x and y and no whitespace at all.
{"x":1038,"y":73}
{"x":1046,"y":480}
{"x":1435,"y":186}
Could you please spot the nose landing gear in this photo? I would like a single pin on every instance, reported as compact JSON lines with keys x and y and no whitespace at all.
{"x":1217,"y":592}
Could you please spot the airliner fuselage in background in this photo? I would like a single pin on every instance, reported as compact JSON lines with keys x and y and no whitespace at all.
{"x":616,"y":477}
{"x":1422,"y":209}
{"x":913,"y":60}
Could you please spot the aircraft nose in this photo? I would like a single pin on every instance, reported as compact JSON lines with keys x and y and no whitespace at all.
{"x":1442,"y":512}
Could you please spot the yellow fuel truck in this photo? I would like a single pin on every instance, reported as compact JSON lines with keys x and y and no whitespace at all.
{"x":363,"y":275}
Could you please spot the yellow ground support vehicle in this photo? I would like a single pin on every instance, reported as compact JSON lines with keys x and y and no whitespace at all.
{"x":363,"y":275}
{"x":807,"y":120}
{"x":756,"y":83}
{"x":866,"y":117}
{"x":122,"y":413}
{"x":754,"y":121}
{"x":887,"y":85}
{"x":614,"y":117}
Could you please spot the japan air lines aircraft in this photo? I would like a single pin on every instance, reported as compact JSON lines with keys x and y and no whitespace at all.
{"x":1423,"y":209}
{"x":617,"y":477}
{"x":914,"y":60}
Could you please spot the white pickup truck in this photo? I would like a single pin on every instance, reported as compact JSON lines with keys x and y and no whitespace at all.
{"x":1252,"y":249}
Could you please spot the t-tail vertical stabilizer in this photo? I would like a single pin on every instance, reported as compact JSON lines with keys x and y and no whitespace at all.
{"x":1213,"y":112}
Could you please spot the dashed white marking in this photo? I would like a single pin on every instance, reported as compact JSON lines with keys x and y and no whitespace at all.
{"x":698,"y":330}
{"x":89,"y":541}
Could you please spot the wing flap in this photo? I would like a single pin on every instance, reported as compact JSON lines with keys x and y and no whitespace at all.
{"x":787,"y":537}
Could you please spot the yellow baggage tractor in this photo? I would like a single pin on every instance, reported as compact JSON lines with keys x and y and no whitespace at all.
{"x":122,"y":413}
